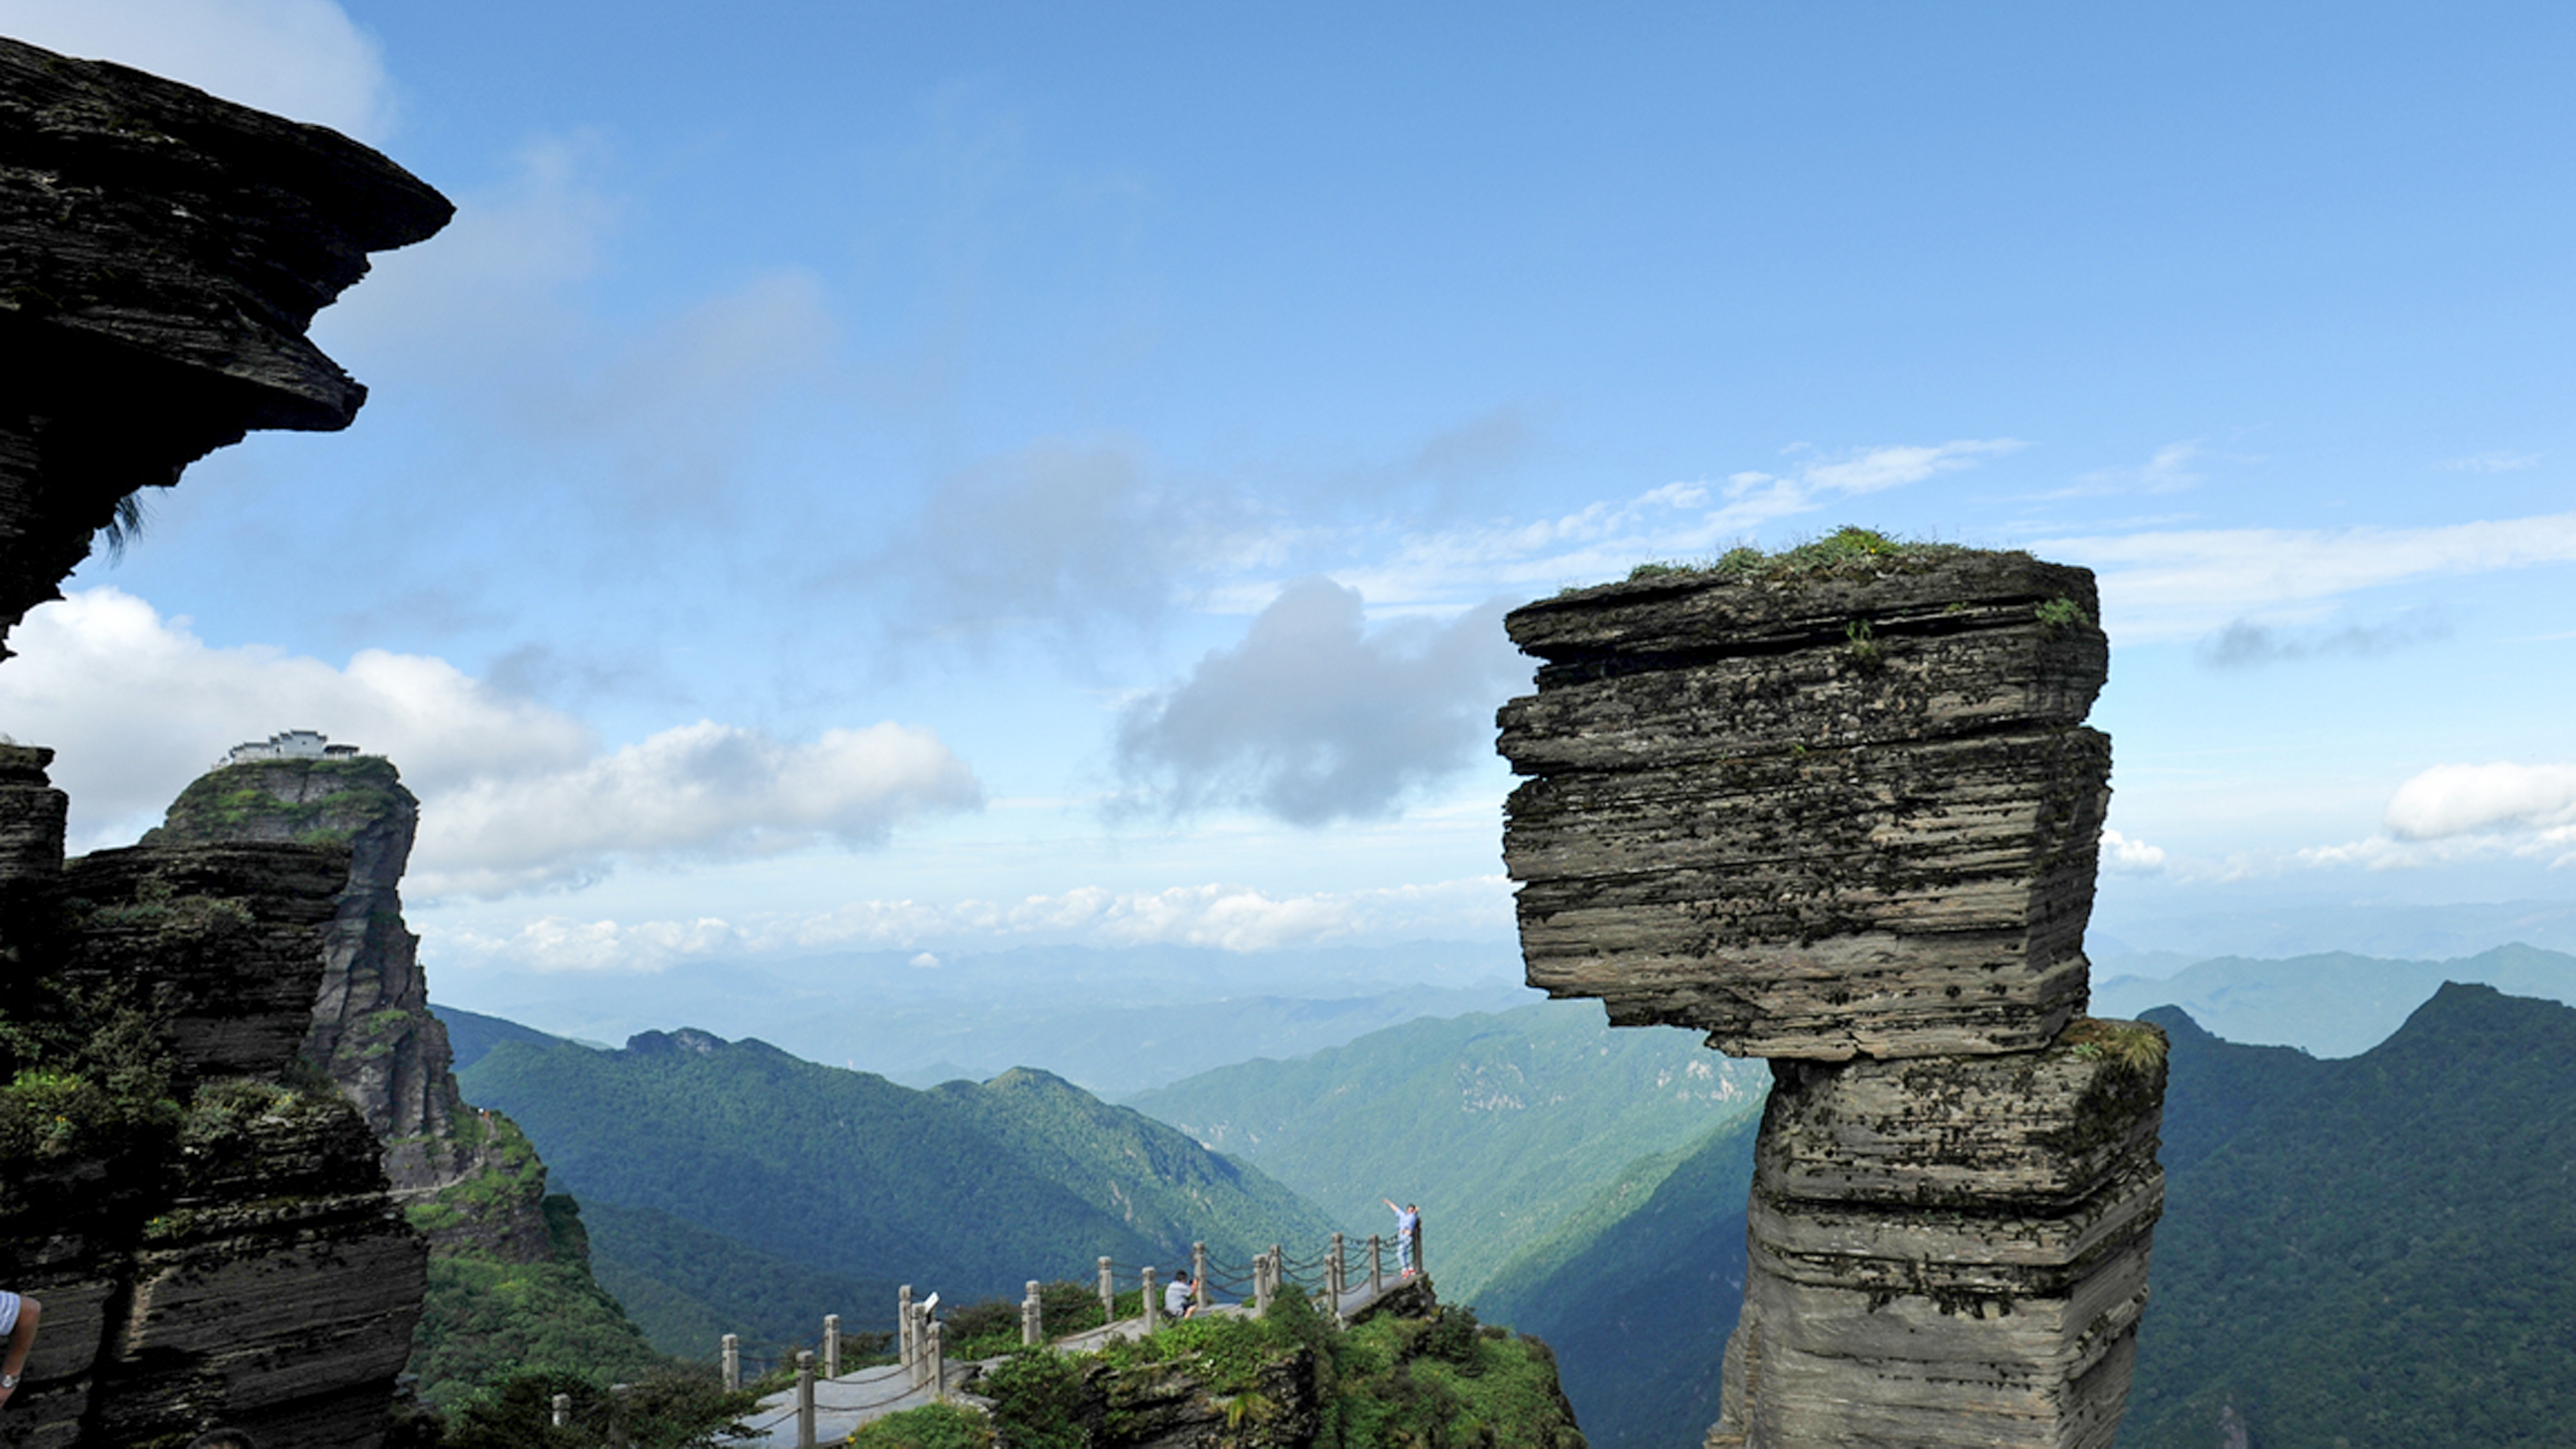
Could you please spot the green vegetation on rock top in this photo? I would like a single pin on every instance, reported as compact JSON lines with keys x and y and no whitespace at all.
{"x":1848,"y":550}
{"x":312,"y":801}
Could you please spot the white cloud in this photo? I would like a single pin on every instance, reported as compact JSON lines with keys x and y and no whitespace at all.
{"x":1313,"y":718}
{"x":2121,"y":853}
{"x":2168,"y":585}
{"x":1755,"y":498}
{"x":2168,"y":471}
{"x":2499,"y":462}
{"x":514,"y":795}
{"x":2464,"y":799}
{"x":1227,"y":917}
{"x":303,"y":59}
{"x":703,"y":790}
{"x":1675,"y":521}
{"x":2455,"y":813}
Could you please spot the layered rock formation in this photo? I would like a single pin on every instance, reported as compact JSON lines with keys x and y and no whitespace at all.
{"x":203,"y":1215}
{"x":371,"y":1028}
{"x":1839,"y":809}
{"x":204,"y":1218}
{"x":161,"y":254}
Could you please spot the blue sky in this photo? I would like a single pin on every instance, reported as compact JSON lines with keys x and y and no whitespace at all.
{"x":874,"y":477}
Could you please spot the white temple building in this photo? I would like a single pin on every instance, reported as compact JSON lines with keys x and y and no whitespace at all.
{"x":290,"y":745}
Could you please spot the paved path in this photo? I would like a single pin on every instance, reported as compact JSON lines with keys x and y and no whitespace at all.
{"x":841,"y":1405}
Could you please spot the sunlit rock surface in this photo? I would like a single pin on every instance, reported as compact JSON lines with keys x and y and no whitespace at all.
{"x":1842,"y":811}
{"x":370,"y":1026}
{"x":1814,"y":816}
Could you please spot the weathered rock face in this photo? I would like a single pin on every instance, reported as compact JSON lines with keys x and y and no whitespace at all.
{"x":1814,"y":817}
{"x":1949,"y":1251}
{"x":1846,"y":816}
{"x":207,"y":1226}
{"x":161,"y":254}
{"x":371,"y":1028}
{"x":206,"y":1223}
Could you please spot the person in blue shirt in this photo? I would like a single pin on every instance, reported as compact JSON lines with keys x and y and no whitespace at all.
{"x":1408,"y":1234}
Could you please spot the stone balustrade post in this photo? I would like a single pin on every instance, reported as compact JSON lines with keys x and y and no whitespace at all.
{"x":938,"y":1332}
{"x":1032,"y":1328}
{"x":617,"y":1415}
{"x":831,"y":1345}
{"x":1108,"y":1293}
{"x":1337,"y":1275}
{"x":805,"y":1399}
{"x":906,"y":1349}
{"x":563,"y":1410}
{"x":1377,"y":1265}
{"x":733,"y":1363}
{"x":1198,"y":1275}
{"x":1153,"y":1310}
{"x":1264,"y":1282}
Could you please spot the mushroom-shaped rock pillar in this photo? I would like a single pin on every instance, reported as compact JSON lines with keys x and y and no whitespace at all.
{"x":1840,"y":809}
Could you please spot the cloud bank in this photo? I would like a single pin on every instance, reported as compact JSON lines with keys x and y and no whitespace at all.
{"x":1313,"y":718}
{"x":2182,"y":584}
{"x":515,"y":795}
{"x":1226,"y":917}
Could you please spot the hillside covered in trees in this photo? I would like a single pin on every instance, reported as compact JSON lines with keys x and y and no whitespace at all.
{"x":1500,"y":1125}
{"x":730,"y":1183}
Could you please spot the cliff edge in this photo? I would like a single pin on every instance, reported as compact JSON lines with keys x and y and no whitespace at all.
{"x":204,"y":1215}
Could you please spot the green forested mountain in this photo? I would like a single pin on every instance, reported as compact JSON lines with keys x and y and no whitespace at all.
{"x":2369,"y":1251}
{"x":966,"y":1190}
{"x":2336,"y":1004}
{"x":1638,"y":1292}
{"x":1499,"y":1125}
{"x":687,"y":1287}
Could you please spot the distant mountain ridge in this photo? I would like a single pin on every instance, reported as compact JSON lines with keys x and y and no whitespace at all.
{"x":1499,"y":1125}
{"x":2333,"y":1005}
{"x":967,"y":1189}
{"x":1113,"y":1021}
{"x":2371,"y":1250}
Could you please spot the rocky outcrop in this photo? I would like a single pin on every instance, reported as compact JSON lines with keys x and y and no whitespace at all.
{"x":370,"y":1026}
{"x":1839,"y":809}
{"x":204,"y":1217}
{"x":161,"y":254}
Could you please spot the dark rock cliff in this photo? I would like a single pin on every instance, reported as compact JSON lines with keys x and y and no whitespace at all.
{"x":161,"y":254}
{"x":371,"y":1029}
{"x":204,"y":1215}
{"x":1839,"y":809}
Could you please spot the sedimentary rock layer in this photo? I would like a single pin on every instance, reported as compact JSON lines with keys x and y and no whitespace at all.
{"x":1815,"y":814}
{"x":371,"y":1027}
{"x":240,"y":1264}
{"x":161,"y":254}
{"x":1949,"y":1253}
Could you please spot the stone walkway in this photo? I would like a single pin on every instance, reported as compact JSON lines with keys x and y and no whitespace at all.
{"x":841,"y":1405}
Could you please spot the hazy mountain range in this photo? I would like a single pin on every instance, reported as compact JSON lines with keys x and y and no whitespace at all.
{"x":1113,"y":1022}
{"x":729,"y":1183}
{"x":2334,"y":1005}
{"x":1498,"y":1125}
